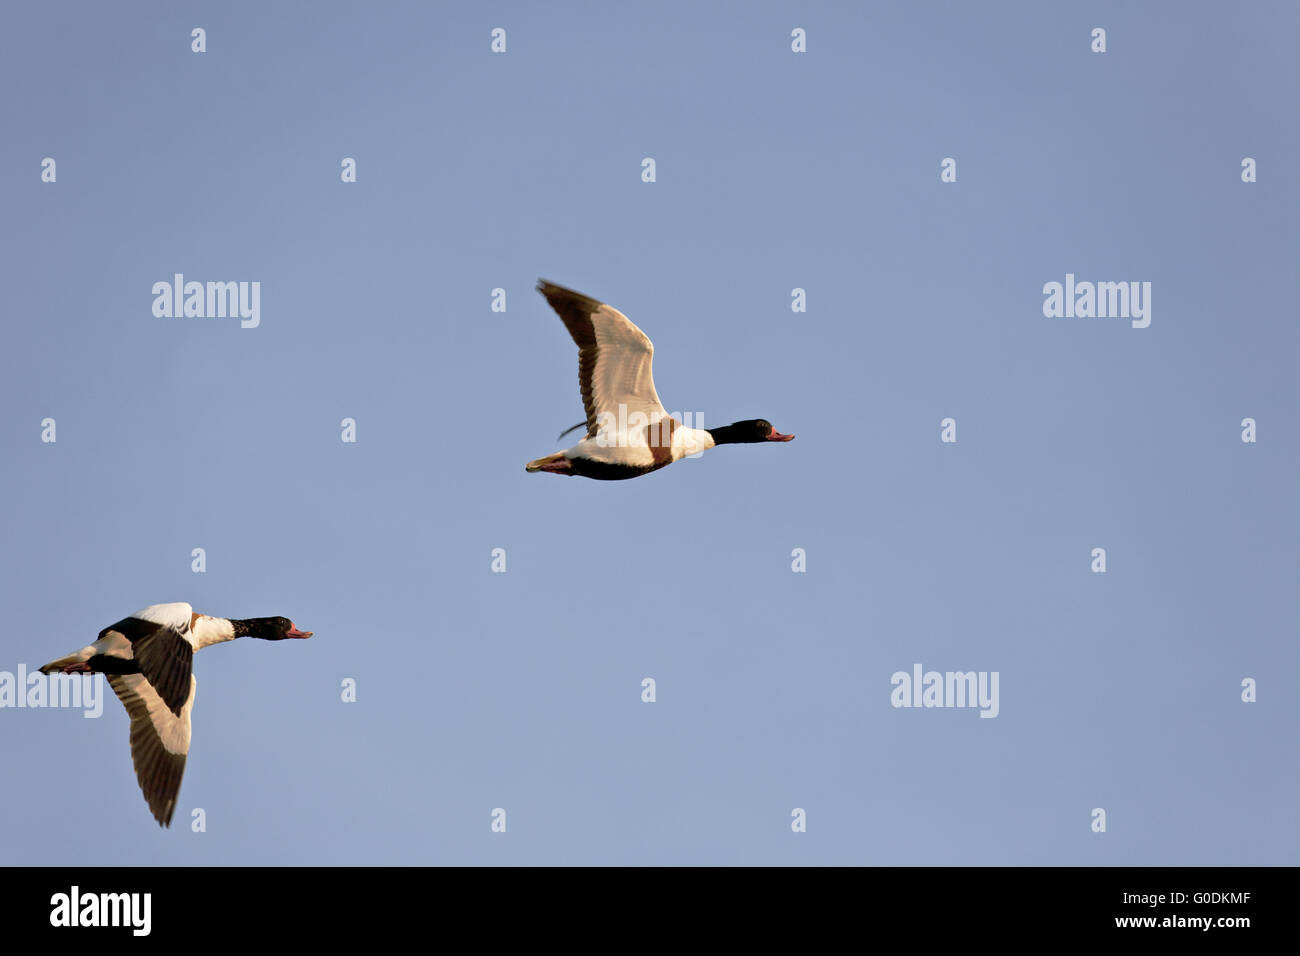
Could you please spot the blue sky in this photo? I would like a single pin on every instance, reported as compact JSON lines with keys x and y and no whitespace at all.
{"x":774,"y":171}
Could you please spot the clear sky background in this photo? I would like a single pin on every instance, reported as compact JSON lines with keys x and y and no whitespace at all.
{"x":775,"y":170}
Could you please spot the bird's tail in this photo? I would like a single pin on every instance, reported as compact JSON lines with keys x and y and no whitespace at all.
{"x":56,"y":666}
{"x":557,"y":464}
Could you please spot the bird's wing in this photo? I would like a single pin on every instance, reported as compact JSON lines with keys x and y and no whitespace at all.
{"x":160,"y":740}
{"x":163,"y":650}
{"x":614,"y":357}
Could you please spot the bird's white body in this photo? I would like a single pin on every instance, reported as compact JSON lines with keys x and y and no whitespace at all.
{"x":637,"y":445}
{"x":197,"y":630}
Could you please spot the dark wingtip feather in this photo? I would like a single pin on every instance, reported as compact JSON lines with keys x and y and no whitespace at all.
{"x":571,"y":429}
{"x":558,"y":296}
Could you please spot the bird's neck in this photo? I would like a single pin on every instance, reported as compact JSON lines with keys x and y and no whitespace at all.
{"x":727,"y":435}
{"x":215,"y":630}
{"x":691,"y":441}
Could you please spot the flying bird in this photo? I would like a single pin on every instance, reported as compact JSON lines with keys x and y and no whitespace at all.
{"x":629,"y":433}
{"x":146,"y":658}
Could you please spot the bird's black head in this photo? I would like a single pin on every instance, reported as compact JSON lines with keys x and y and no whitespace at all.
{"x":747,"y":432}
{"x":268,"y":628}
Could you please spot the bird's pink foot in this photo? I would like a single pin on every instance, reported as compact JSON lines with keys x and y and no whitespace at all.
{"x":81,"y":667}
